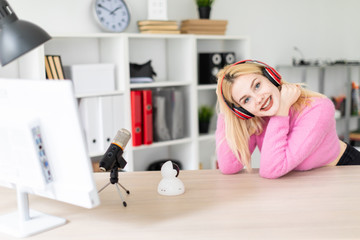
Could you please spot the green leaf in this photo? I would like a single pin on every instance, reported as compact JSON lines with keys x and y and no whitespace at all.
{"x":204,"y":3}
{"x":205,"y":113}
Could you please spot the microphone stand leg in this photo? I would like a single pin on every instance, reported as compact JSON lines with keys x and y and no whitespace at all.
{"x":127,"y":191}
{"x":122,"y":199}
{"x":104,"y":187}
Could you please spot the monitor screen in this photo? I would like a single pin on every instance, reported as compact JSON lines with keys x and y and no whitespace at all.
{"x":42,"y":144}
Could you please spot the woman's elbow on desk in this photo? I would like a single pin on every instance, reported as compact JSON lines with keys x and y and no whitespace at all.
{"x":271,"y":174}
{"x":229,"y":171}
{"x":230,"y":168}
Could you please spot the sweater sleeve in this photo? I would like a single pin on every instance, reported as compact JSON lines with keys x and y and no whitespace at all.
{"x":285,"y":147}
{"x":228,"y":163}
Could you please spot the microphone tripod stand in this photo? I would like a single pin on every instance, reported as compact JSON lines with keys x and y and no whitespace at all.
{"x":114,"y":179}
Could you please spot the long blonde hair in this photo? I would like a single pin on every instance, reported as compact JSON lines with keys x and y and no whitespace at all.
{"x":238,"y":131}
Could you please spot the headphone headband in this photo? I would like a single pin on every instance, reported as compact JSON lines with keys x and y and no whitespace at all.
{"x":269,"y":72}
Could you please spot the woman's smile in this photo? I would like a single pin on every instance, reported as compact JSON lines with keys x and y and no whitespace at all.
{"x":267,"y":105}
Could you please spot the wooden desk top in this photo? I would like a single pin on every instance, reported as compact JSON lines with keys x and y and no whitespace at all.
{"x":320,"y":204}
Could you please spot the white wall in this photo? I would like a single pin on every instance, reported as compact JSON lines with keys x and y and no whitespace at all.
{"x":323,"y":29}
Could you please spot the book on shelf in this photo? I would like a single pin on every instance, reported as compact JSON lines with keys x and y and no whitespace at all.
{"x":53,"y":67}
{"x":59,"y":67}
{"x":48,"y":69}
{"x":147,"y":116}
{"x":158,"y":26}
{"x":142,"y":117}
{"x":141,"y":80}
{"x":136,"y":117}
{"x":204,"y":26}
{"x":168,"y":114}
{"x":162,"y":31}
{"x":156,"y":22}
{"x":204,"y":22}
{"x":203,"y":32}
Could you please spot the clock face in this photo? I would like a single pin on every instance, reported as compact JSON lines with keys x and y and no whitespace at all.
{"x":113,"y":15}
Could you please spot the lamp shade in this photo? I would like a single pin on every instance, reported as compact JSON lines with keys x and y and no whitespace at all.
{"x":17,"y":37}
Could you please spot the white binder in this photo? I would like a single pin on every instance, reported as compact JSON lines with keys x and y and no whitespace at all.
{"x":91,"y":118}
{"x":177,"y":127}
{"x":111,"y":109}
{"x":160,"y":125}
{"x":107,"y":123}
{"x":118,"y":113}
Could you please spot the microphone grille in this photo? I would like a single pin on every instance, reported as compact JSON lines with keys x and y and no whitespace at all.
{"x":122,"y":138}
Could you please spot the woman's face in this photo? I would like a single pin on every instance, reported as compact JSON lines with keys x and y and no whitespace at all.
{"x":256,"y":94}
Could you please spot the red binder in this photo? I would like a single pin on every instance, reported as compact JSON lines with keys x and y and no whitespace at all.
{"x":136,"y":117}
{"x":147,"y":117}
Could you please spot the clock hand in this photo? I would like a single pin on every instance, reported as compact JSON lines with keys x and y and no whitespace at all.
{"x":101,"y":6}
{"x":113,"y":11}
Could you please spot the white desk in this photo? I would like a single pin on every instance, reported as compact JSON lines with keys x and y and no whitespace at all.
{"x":318,"y":204}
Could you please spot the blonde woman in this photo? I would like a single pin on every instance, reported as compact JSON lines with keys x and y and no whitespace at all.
{"x":293,"y":128}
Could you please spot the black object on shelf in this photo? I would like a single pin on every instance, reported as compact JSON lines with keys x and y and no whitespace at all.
{"x":156,"y":166}
{"x":209,"y":65}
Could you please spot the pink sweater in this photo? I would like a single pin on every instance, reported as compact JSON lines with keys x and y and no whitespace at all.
{"x":288,"y":143}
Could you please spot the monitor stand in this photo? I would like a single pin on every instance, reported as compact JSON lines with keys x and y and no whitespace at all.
{"x":25,"y":222}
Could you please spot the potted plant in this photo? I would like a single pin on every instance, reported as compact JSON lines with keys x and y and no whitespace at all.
{"x":205,"y":114}
{"x":204,"y":7}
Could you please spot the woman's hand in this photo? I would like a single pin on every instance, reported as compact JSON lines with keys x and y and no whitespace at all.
{"x":289,"y":94}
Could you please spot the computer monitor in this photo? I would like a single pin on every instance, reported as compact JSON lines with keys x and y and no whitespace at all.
{"x":42,"y":151}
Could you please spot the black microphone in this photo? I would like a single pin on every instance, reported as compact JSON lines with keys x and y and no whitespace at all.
{"x":113,"y":156}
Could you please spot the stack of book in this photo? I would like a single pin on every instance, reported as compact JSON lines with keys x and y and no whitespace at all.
{"x":53,"y":67}
{"x":158,"y":26}
{"x":204,"y":26}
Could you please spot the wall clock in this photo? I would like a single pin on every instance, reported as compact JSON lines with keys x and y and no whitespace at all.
{"x":112,"y":15}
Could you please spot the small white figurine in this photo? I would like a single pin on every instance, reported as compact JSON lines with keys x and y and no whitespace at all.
{"x":170,"y":185}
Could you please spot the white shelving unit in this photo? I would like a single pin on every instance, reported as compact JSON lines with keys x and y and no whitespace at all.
{"x":174,"y":59}
{"x":331,"y":80}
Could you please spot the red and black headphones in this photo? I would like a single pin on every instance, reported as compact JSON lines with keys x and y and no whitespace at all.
{"x":269,"y":72}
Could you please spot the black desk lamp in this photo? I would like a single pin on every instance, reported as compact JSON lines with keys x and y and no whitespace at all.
{"x":17,"y":37}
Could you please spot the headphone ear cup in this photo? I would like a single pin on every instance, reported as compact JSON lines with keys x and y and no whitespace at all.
{"x":239,"y":111}
{"x":242,"y":113}
{"x":272,"y":75}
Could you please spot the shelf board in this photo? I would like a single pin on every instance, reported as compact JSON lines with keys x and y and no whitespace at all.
{"x":159,"y":84}
{"x":87,"y":35}
{"x":159,"y":36}
{"x":320,"y":66}
{"x":299,"y":66}
{"x":100,"y":94}
{"x":163,"y":144}
{"x":206,"y":137}
{"x":96,"y":154}
{"x":221,"y":37}
{"x":145,"y":36}
{"x":344,"y":118}
{"x":207,"y":86}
